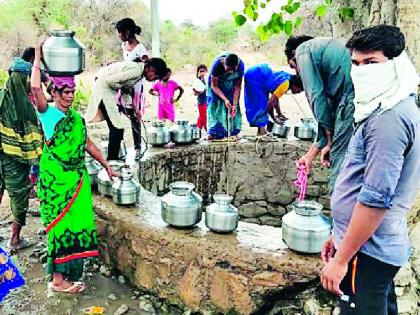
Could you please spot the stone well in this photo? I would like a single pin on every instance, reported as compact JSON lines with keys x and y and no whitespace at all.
{"x":250,"y":271}
{"x":244,"y":272}
{"x":260,"y":182}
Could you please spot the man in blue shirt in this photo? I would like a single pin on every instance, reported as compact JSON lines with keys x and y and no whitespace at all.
{"x":379,"y":178}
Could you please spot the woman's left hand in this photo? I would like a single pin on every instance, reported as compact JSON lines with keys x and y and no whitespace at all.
{"x":233,"y":111}
{"x":111,"y":172}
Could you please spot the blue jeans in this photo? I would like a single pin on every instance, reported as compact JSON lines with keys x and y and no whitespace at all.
{"x":370,"y":285}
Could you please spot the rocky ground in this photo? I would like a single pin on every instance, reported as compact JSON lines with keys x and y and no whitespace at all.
{"x":104,"y":288}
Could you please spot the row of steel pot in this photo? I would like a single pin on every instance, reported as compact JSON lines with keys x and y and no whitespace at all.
{"x":304,"y":229}
{"x":124,"y":190}
{"x":182,"y":208}
{"x":306,"y":130}
{"x":181,"y":132}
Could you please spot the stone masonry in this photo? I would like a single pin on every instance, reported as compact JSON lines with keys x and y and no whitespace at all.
{"x":260,"y":182}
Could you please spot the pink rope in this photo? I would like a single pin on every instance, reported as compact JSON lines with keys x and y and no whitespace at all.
{"x":301,"y":181}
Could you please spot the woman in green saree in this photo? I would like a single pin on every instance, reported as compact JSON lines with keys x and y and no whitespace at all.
{"x":66,"y":204}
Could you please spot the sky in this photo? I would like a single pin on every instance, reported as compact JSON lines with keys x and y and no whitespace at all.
{"x":202,"y":12}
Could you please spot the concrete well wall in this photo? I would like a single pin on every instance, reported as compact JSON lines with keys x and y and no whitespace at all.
{"x":260,"y":182}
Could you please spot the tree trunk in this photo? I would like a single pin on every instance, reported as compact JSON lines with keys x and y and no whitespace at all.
{"x":402,"y":13}
{"x":408,"y":20}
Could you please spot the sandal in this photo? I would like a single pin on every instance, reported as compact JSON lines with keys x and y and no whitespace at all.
{"x":24,"y":243}
{"x":69,"y":289}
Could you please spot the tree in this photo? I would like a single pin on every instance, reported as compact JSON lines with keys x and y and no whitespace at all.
{"x":345,"y":16}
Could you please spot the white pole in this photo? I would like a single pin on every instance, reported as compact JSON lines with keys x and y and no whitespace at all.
{"x":154,"y":4}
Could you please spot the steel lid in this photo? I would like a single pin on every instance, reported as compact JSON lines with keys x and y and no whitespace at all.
{"x":181,"y":188}
{"x":307,"y":208}
{"x":62,"y":33}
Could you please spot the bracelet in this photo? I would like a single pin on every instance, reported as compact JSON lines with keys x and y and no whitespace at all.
{"x":36,"y":67}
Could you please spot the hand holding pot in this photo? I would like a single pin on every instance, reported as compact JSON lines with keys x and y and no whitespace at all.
{"x":111,"y":172}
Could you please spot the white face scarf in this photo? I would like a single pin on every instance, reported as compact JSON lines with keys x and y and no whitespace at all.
{"x":382,"y":85}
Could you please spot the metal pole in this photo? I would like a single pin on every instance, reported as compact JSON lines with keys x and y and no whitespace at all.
{"x":154,"y":5}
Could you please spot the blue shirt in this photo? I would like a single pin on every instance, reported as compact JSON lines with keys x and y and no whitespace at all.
{"x":381,"y":170}
{"x":49,"y":119}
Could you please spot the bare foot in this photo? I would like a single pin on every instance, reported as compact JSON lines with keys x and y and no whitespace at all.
{"x":67,"y":287}
{"x":208,"y":138}
{"x":261,"y":131}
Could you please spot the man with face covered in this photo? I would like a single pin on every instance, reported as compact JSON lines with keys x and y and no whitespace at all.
{"x":102,"y":104}
{"x":324,"y":67}
{"x":379,"y":177}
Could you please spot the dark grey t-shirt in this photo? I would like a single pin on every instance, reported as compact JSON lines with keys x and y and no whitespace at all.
{"x":381,"y":170}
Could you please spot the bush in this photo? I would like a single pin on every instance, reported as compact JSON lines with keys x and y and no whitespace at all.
{"x":3,"y":77}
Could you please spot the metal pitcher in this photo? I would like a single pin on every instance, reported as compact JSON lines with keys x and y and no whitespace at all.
{"x":196,"y":132}
{"x":104,"y":182}
{"x":181,"y":207}
{"x":93,"y":168}
{"x":221,"y":216}
{"x":280,"y":130}
{"x":306,"y":130}
{"x":181,"y":132}
{"x":63,"y":55}
{"x":125,"y":191}
{"x":158,"y":134}
{"x":304,"y":228}
{"x":103,"y":146}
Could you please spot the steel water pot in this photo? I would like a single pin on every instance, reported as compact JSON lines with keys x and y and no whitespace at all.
{"x":306,"y":130}
{"x":63,"y":55}
{"x":305,"y":228}
{"x":181,"y":207}
{"x":125,"y":190}
{"x":158,"y":134}
{"x":93,"y":168}
{"x":280,"y":130}
{"x":103,"y":146}
{"x":196,"y":132}
{"x":221,"y":216}
{"x":181,"y":132}
{"x":104,"y":182}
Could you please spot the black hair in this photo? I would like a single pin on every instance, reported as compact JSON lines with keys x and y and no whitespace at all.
{"x":293,"y":43}
{"x":385,"y":38}
{"x":232,"y":60}
{"x":296,"y":80}
{"x":51,"y":88}
{"x":159,"y":65}
{"x":28,"y":54}
{"x":128,"y":24}
{"x":201,"y":67}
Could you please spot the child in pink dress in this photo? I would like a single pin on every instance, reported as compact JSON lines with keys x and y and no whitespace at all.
{"x":166,"y":89}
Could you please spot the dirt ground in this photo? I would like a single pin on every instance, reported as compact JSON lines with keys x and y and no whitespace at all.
{"x":105,"y":289}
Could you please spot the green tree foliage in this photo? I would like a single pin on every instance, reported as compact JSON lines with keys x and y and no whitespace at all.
{"x":188,"y":44}
{"x":288,"y":17}
{"x":22,"y":21}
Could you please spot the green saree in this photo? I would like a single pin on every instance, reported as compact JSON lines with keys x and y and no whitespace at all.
{"x":66,"y":198}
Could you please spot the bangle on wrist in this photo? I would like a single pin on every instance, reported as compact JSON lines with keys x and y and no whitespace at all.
{"x":36,"y":67}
